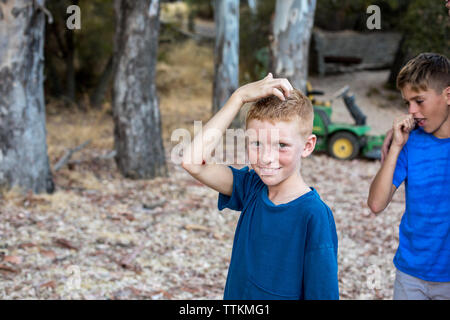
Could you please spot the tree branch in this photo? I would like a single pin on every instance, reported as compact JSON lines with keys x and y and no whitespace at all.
{"x":69,"y":154}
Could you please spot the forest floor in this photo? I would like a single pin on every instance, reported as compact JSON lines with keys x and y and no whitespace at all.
{"x":102,"y":236}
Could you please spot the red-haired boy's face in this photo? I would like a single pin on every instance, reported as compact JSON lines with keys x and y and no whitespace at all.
{"x":429,"y":108}
{"x":275,"y":149}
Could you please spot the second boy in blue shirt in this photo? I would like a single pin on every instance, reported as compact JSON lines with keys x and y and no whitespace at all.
{"x":421,"y":159}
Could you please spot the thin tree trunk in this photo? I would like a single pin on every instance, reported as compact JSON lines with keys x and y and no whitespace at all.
{"x":103,"y":82}
{"x":292,"y":30}
{"x":70,"y":60}
{"x":70,"y":65}
{"x":401,"y":57}
{"x":65,"y":39}
{"x":137,"y":121}
{"x":53,"y":77}
{"x":226,"y":53}
{"x":23,"y":147}
{"x":253,"y":5}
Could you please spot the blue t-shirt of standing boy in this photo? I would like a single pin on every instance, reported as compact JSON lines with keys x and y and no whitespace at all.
{"x":424,"y":244}
{"x":286,"y":251}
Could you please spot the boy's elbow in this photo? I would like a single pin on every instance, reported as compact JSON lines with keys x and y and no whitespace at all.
{"x":374,"y":206}
{"x":191,"y":168}
{"x":373,"y":201}
{"x":186,"y":166}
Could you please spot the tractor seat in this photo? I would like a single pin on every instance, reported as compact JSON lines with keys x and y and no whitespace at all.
{"x":311,"y":95}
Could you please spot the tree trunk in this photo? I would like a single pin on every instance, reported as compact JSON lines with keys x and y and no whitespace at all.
{"x":23,"y":147}
{"x":70,"y":65}
{"x":226,"y":53}
{"x":401,"y":57}
{"x":52,"y":76}
{"x":65,"y":51}
{"x":137,"y":122}
{"x":253,"y":5}
{"x":292,"y":29}
{"x":98,"y":93}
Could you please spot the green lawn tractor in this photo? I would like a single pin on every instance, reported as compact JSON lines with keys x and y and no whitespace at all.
{"x":341,"y":140}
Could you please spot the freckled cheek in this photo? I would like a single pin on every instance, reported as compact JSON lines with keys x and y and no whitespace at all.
{"x":286,"y":158}
{"x":252,"y":154}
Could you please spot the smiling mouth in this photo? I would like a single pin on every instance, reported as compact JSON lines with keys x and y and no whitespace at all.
{"x":268,"y":171}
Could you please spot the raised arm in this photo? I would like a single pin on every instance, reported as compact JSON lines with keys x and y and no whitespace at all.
{"x":197,"y":155}
{"x":382,"y":189}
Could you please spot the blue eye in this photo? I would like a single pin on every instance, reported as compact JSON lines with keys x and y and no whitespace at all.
{"x":255,"y":143}
{"x":283,"y":145}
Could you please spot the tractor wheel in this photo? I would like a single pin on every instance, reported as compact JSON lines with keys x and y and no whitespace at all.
{"x":343,"y":146}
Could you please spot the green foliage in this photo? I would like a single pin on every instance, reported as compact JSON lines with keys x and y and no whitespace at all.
{"x":91,"y":46}
{"x":426,"y":26}
{"x":254,"y":48}
{"x":351,"y":14}
{"x":201,"y":8}
{"x":425,"y":23}
{"x":338,"y":15}
{"x":95,"y":40}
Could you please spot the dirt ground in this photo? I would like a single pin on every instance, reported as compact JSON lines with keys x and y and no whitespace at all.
{"x":101,"y":236}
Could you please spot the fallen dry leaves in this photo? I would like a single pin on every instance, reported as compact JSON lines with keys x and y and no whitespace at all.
{"x":4,"y":267}
{"x":48,"y":253}
{"x":65,"y":243}
{"x":165,"y":238}
{"x":13,"y":259}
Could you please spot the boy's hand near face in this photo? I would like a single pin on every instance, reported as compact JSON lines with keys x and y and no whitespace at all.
{"x":218,"y":176}
{"x":382,"y":189}
{"x":403,"y":125}
{"x":398,"y":135}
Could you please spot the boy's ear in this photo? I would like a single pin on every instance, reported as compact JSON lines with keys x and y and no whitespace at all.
{"x":310,"y":144}
{"x":447,"y":95}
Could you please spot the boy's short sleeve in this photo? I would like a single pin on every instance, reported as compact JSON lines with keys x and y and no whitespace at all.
{"x":243,"y":184}
{"x":400,"y":168}
{"x":320,"y":267}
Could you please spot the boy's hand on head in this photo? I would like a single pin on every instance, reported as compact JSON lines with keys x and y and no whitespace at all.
{"x":264,"y":88}
{"x":403,"y":125}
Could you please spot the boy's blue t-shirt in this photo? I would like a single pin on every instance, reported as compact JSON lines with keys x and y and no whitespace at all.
{"x":286,"y":251}
{"x":424,"y":246}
